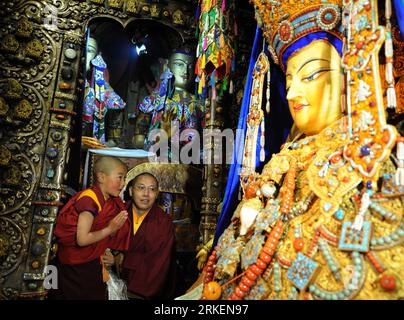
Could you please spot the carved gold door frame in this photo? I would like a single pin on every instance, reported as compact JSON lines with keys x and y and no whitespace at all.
{"x":41,"y":45}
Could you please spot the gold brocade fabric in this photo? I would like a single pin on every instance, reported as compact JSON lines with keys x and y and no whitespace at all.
{"x":329,"y":270}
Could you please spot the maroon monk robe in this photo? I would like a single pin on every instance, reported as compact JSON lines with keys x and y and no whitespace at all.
{"x":149,"y":264}
{"x":69,"y":252}
{"x":79,"y":268}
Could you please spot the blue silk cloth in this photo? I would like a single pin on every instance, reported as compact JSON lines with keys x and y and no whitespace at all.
{"x":399,"y":10}
{"x":231,"y":193}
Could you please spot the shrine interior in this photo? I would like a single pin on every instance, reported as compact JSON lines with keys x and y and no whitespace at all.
{"x":202,"y":150}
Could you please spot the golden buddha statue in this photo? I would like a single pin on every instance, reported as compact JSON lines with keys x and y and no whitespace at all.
{"x":324,"y":219}
{"x":173,"y":102}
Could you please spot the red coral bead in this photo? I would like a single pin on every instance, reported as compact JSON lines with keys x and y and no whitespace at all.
{"x":260,"y":264}
{"x":247,"y":282}
{"x":298,"y":244}
{"x":209,"y":269}
{"x":388,"y":283}
{"x":268,"y":251}
{"x":251,"y":275}
{"x":239,"y":293}
{"x":359,"y":45}
{"x":243,"y":287}
{"x":234,"y":297}
{"x":335,"y":159}
{"x":258,"y":271}
{"x":265,"y":257}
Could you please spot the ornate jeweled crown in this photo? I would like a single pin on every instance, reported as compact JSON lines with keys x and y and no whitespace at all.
{"x":285,"y":21}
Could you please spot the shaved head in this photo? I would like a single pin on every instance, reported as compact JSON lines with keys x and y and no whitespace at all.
{"x":107,"y":165}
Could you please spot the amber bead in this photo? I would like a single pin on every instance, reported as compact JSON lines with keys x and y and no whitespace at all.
{"x":212,"y":291}
{"x":65,"y":86}
{"x":251,"y":190}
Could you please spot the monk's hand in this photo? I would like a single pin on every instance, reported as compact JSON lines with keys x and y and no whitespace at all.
{"x":108,"y":259}
{"x":117,"y":222}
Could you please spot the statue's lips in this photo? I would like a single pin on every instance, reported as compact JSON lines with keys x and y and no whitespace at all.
{"x":299,"y":107}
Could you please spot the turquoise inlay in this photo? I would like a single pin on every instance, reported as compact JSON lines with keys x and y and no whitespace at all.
{"x":356,"y":244}
{"x":301,"y":270}
{"x":276,"y":39}
{"x":328,"y":16}
{"x":339,"y":214}
{"x":305,"y":26}
{"x":305,"y":17}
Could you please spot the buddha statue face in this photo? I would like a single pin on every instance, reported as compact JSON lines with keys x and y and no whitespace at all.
{"x":313,"y":82}
{"x":182,"y":66}
{"x":92,"y":50}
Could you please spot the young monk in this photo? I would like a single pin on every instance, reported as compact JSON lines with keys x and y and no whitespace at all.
{"x":94,"y":220}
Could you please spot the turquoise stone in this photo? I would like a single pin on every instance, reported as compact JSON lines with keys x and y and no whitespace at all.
{"x":328,"y":16}
{"x":339,"y":214}
{"x":322,"y":295}
{"x":50,"y":173}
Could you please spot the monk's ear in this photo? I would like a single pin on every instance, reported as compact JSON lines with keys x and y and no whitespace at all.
{"x":99,"y":176}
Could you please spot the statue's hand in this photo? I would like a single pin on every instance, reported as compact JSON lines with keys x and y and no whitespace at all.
{"x":166,"y":119}
{"x":202,"y":255}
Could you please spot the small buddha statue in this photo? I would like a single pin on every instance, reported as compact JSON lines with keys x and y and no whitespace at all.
{"x":100,"y":98}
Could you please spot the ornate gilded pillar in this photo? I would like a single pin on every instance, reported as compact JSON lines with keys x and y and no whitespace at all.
{"x":215,"y":68}
{"x":35,"y":119}
{"x":213,"y":171}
